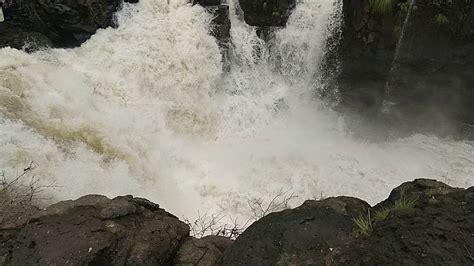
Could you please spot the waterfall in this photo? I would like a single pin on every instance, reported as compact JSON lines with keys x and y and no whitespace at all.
{"x":145,"y":109}
{"x":388,"y":104}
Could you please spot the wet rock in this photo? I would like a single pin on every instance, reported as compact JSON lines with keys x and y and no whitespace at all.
{"x":207,"y":2}
{"x":220,"y":26}
{"x":301,"y":236}
{"x":95,"y":230}
{"x":435,"y":230}
{"x":63,"y":23}
{"x":267,"y":12}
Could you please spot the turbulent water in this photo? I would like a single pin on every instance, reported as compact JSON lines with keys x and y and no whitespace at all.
{"x":146,"y":109}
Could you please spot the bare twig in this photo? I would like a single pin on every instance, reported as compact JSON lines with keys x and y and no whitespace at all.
{"x":278,"y":202}
{"x":19,"y":195}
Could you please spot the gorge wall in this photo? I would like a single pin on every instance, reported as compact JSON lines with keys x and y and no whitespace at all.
{"x":429,"y":83}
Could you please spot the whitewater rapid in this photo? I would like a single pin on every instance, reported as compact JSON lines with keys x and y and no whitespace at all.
{"x":145,"y":109}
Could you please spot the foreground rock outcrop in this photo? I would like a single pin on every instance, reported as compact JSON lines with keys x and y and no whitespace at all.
{"x":301,"y":236}
{"x":94,"y":230}
{"x":64,"y":23}
{"x":428,"y":223}
{"x":423,"y":222}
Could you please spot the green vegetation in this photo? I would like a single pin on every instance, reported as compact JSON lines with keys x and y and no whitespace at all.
{"x":364,"y":223}
{"x":404,"y":203}
{"x":405,"y":6}
{"x":381,"y":6}
{"x":441,"y":20}
{"x":382,"y":214}
{"x":276,"y":14}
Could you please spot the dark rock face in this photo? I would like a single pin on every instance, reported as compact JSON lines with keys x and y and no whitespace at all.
{"x":199,"y":252}
{"x":431,"y":80}
{"x":437,"y":230}
{"x":207,"y":2}
{"x":302,"y":236}
{"x":65,"y":23}
{"x":267,"y":12}
{"x":220,"y":26}
{"x":417,"y":189}
{"x":97,"y":231}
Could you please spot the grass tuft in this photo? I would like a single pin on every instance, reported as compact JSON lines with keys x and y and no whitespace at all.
{"x":364,"y":223}
{"x":382,"y":214}
{"x":404,"y":203}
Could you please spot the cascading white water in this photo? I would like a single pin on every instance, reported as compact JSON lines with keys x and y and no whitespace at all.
{"x":146,"y":110}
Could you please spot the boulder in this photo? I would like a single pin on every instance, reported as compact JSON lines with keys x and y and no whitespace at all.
{"x":94,"y":230}
{"x":267,"y":12}
{"x":301,"y":236}
{"x":417,"y":189}
{"x":199,"y":252}
{"x":63,"y":23}
{"x":433,"y":225}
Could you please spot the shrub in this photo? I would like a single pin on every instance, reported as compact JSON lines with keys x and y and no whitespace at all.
{"x":20,"y":194}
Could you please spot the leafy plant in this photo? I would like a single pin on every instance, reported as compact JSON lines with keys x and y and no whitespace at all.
{"x":441,"y":20}
{"x":276,"y":14}
{"x":381,"y":6}
{"x":405,"y":6}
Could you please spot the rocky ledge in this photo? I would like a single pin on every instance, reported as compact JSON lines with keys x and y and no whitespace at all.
{"x":422,"y":222}
{"x":58,"y":23}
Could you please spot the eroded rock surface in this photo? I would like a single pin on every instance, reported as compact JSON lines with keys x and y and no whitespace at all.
{"x":95,"y":230}
{"x":436,"y":230}
{"x":301,"y":236}
{"x":202,"y":252}
{"x":63,"y":23}
{"x":423,"y":222}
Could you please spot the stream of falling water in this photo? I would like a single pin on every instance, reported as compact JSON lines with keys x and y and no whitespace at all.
{"x":388,"y":104}
{"x":145,"y":109}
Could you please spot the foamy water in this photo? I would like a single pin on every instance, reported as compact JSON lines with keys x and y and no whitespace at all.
{"x":145,"y":109}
